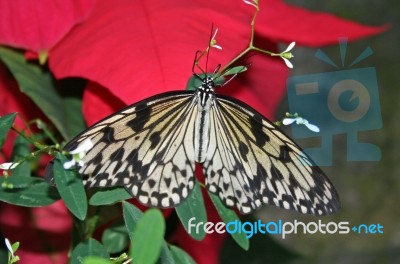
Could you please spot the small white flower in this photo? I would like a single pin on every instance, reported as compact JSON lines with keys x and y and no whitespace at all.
{"x":78,"y":154}
{"x":286,"y":55}
{"x":8,"y":165}
{"x":252,"y":3}
{"x":9,"y":248}
{"x":213,"y":41}
{"x":300,"y":121}
{"x":290,"y":47}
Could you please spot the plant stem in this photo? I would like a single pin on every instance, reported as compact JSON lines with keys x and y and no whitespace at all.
{"x":251,"y":46}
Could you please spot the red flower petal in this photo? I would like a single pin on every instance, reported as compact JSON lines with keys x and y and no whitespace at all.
{"x":44,"y":233}
{"x":99,"y":103}
{"x":137,"y":49}
{"x":314,"y":29}
{"x":39,"y":25}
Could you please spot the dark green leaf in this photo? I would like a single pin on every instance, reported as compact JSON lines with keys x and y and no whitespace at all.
{"x":6,"y":123}
{"x":115,"y":238}
{"x":91,"y":247}
{"x":235,"y":70}
{"x":105,"y":197}
{"x":132,"y":214}
{"x":73,"y":115}
{"x":21,"y":150}
{"x":227,"y":216}
{"x":165,"y":255}
{"x":148,"y":237}
{"x":28,"y":191}
{"x":181,"y":257}
{"x":38,"y":84}
{"x":193,"y":207}
{"x":70,"y":187}
{"x":194,"y":82}
{"x":3,"y":255}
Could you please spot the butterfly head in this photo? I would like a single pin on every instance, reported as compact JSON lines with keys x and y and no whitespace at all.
{"x":208,"y":83}
{"x":206,"y":92}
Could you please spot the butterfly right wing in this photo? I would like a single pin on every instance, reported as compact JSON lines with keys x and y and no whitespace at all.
{"x":146,"y":147}
{"x":250,"y":162}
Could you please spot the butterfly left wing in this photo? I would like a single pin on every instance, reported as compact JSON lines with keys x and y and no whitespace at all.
{"x":146,"y":147}
{"x":251,"y":162}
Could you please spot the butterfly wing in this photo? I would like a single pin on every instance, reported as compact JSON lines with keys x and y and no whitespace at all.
{"x":146,"y":147}
{"x":251,"y":162}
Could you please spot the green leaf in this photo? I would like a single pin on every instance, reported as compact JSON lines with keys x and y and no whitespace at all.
{"x":29,"y":192}
{"x":73,"y":115}
{"x":235,"y":70}
{"x":6,"y":123}
{"x":115,"y":238}
{"x":193,"y":207}
{"x":165,"y":255}
{"x":148,"y":237}
{"x":194,"y":82}
{"x":180,"y":256}
{"x":91,"y":247}
{"x":70,"y":187}
{"x":15,"y":246}
{"x":38,"y":84}
{"x":132,"y":214}
{"x":105,"y":197}
{"x":21,"y":150}
{"x":96,"y":260}
{"x":227,"y":216}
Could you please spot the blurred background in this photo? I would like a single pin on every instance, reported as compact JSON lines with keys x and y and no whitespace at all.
{"x":369,"y":190}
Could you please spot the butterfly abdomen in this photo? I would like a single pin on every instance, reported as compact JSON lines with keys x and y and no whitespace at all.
{"x":205,"y":99}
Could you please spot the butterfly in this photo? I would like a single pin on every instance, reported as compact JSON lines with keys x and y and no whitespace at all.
{"x":151,"y":148}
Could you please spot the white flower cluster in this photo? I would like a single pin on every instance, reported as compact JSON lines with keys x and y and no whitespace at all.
{"x":299,"y":121}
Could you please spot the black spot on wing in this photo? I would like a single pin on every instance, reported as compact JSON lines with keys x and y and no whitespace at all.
{"x":136,"y":165}
{"x":257,"y":130}
{"x":118,"y":154}
{"x":108,"y":135}
{"x":151,"y":183}
{"x":284,"y":151}
{"x":121,"y":176}
{"x":98,"y":159}
{"x":243,"y":150}
{"x":155,"y":139}
{"x":142,"y":117}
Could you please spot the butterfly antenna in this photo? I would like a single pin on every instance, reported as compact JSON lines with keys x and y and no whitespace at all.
{"x":196,"y":56}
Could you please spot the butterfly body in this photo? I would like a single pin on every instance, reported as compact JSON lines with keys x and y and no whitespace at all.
{"x":205,"y":97}
{"x":151,"y":148}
